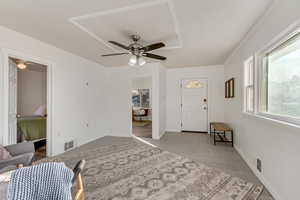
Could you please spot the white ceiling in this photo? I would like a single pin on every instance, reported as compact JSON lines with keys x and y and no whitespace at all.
{"x":196,"y":32}
{"x":118,"y":24}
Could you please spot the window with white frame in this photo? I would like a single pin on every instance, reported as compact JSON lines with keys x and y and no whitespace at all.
{"x":141,"y":98}
{"x":249,"y":85}
{"x":279,"y":95}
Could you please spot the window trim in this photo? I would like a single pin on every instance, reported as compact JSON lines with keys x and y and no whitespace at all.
{"x":246,"y":86}
{"x":259,"y":65}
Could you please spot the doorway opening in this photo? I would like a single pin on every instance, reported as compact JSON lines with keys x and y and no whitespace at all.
{"x":27,"y":90}
{"x":194,"y":105}
{"x":142,"y":107}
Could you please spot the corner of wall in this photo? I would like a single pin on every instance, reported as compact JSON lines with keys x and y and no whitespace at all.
{"x":259,"y":175}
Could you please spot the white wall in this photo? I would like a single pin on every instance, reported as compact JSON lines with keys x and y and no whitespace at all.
{"x":277,"y":145}
{"x":142,"y":83}
{"x":215,"y":77}
{"x":32,"y":91}
{"x":119,"y":101}
{"x":74,"y":103}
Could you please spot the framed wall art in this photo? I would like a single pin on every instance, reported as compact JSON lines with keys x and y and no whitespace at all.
{"x":229,"y":88}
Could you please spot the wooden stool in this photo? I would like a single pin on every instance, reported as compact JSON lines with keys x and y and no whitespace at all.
{"x":217,"y":128}
{"x":78,"y":180}
{"x":80,"y":189}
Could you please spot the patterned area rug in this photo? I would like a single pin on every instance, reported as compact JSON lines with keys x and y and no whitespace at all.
{"x":136,"y":171}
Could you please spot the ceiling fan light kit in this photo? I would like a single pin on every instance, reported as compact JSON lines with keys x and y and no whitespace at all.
{"x":132,"y":60}
{"x":137,"y":51}
{"x":136,"y":61}
{"x":141,"y":61}
{"x":21,"y":66}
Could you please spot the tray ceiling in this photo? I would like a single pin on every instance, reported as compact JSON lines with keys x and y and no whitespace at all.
{"x":196,"y":32}
{"x":141,"y":19}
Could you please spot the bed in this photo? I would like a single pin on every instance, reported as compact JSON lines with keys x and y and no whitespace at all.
{"x":32,"y":128}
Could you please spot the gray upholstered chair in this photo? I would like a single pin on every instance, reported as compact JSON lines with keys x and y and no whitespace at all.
{"x":22,"y":153}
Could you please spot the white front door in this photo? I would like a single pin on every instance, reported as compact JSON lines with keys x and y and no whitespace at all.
{"x":194,"y":105}
{"x":12,"y":107}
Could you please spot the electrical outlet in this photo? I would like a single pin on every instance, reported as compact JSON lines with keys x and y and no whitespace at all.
{"x":258,"y":165}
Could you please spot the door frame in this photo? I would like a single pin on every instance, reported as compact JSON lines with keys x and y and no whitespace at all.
{"x":208,"y":101}
{"x":6,"y":53}
{"x":153,"y":110}
{"x":12,"y":67}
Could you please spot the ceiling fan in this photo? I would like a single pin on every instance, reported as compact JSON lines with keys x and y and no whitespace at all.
{"x":21,"y":64}
{"x":138,"y":51}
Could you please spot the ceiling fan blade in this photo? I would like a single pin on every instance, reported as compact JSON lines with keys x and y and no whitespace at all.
{"x":154,"y":56}
{"x":152,"y":47}
{"x":119,"y":45}
{"x":115,"y":54}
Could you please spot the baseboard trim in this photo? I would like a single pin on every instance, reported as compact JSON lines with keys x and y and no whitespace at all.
{"x":173,"y":130}
{"x":88,"y":141}
{"x":258,"y":175}
{"x":77,"y":145}
{"x":119,"y":135}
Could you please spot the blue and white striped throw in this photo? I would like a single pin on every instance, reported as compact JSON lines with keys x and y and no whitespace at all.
{"x":46,"y":181}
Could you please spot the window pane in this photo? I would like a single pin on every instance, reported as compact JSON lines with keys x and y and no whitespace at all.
{"x":136,"y":98}
{"x":251,"y":73}
{"x":145,"y":98}
{"x":263,"y":95}
{"x":283,"y":81}
{"x":193,"y":84}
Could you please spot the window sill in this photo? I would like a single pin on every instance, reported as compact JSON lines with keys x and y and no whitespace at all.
{"x":272,"y":120}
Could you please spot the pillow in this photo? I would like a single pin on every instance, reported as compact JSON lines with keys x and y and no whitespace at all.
{"x":41,"y":111}
{"x":140,"y":112}
{"x":4,"y":154}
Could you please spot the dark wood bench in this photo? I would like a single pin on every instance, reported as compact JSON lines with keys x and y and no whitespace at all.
{"x":219,"y":130}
